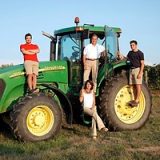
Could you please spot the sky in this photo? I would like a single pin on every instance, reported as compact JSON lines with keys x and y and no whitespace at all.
{"x":138,"y":19}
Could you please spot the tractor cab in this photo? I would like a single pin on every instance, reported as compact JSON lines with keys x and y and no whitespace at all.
{"x":68,"y":44}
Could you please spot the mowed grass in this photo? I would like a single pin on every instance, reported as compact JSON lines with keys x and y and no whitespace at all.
{"x":76,"y":144}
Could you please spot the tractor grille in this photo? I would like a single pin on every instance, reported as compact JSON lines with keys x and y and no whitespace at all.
{"x":2,"y":87}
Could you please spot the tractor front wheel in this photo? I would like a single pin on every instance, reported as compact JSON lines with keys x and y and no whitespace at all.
{"x":36,"y":118}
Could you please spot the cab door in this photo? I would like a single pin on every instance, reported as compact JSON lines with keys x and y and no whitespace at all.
{"x":111,"y":43}
{"x":71,"y":52}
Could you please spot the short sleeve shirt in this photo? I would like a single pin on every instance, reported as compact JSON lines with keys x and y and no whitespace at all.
{"x":32,"y":57}
{"x":93,"y":52}
{"x":135,"y":58}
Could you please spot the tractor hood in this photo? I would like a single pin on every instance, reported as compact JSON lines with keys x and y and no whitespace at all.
{"x":51,"y":71}
{"x":9,"y":71}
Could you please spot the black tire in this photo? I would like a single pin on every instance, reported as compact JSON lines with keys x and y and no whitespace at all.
{"x":114,"y":105}
{"x":36,"y":117}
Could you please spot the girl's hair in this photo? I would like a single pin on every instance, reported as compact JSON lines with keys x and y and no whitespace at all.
{"x":90,"y":82}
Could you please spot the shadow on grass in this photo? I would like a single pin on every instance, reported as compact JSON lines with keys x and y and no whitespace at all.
{"x":5,"y":130}
{"x":77,"y":130}
{"x":10,"y":150}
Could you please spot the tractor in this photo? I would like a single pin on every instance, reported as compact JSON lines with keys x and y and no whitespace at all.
{"x":40,"y":116}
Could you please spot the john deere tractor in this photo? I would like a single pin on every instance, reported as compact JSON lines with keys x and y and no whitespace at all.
{"x":40,"y":116}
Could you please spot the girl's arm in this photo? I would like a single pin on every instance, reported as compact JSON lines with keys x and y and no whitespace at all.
{"x":94,"y":101}
{"x":81,"y":97}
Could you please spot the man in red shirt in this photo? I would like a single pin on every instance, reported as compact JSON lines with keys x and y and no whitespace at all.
{"x":31,"y":63}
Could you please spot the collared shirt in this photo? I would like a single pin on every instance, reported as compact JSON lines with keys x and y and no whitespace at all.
{"x":93,"y":52}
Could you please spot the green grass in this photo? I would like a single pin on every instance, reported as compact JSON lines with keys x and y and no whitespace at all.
{"x":76,"y":143}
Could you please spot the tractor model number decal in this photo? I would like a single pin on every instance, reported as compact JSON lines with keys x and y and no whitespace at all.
{"x":54,"y":68}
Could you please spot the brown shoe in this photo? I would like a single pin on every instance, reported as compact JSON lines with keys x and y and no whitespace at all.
{"x":134,"y":103}
{"x":94,"y":137}
{"x":130,"y":102}
{"x":104,"y":129}
{"x":36,"y":90}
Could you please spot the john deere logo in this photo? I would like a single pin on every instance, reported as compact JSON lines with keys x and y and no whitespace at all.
{"x":17,"y":74}
{"x":54,"y":68}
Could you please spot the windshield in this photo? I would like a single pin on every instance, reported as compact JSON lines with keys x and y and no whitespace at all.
{"x":100,"y":41}
{"x":71,"y":47}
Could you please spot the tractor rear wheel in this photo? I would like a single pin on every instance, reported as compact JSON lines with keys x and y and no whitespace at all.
{"x":114,"y":105}
{"x":35,"y":118}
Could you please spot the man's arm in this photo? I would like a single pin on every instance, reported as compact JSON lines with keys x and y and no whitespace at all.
{"x":35,"y":51}
{"x":84,"y":59}
{"x":141,"y":70}
{"x":26,"y":51}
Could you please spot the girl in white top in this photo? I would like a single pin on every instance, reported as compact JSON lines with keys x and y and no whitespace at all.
{"x":87,"y":97}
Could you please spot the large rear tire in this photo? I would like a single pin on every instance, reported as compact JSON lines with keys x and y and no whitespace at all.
{"x":114,"y":105}
{"x":35,"y":118}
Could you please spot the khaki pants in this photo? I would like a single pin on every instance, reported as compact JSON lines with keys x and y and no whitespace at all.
{"x":88,"y":67}
{"x":95,"y":119}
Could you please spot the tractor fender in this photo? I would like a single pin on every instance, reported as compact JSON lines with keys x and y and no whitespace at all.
{"x":65,"y":102}
{"x":113,"y":69}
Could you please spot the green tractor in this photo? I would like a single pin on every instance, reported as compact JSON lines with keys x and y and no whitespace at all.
{"x":37,"y":117}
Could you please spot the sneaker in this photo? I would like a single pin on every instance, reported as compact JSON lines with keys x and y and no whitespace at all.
{"x":30,"y":91}
{"x":36,"y":90}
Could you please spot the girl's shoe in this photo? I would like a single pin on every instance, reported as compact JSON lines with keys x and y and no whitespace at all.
{"x":104,"y":129}
{"x":94,"y":137}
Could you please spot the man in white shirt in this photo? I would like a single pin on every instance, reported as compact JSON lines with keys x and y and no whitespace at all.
{"x":91,"y":54}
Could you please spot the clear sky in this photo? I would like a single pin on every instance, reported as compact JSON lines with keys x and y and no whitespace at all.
{"x":138,"y":19}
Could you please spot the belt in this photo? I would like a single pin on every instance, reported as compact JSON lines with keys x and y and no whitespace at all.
{"x":134,"y":67}
{"x":91,"y":59}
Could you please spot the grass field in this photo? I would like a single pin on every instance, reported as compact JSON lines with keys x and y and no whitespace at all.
{"x":76,"y":143}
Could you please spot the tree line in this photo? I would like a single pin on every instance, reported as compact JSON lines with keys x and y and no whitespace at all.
{"x":153,"y":74}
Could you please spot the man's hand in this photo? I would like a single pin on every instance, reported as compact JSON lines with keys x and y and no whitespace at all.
{"x":93,"y":108}
{"x":103,"y":54}
{"x":141,"y":70}
{"x":120,"y":56}
{"x":139,"y":76}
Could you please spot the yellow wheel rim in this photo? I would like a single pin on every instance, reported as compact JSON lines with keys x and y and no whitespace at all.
{"x":40,"y":120}
{"x":124,"y":112}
